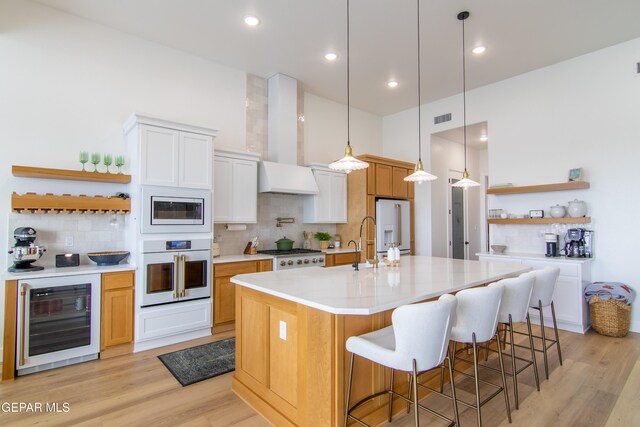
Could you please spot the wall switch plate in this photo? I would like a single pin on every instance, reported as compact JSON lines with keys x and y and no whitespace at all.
{"x":68,"y":241}
{"x":283,"y":330}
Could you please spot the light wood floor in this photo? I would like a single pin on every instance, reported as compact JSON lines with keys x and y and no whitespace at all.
{"x":598,"y":385}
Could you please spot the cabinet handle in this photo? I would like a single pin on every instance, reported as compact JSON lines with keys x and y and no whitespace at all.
{"x":176,"y":284}
{"x":183,"y":268}
{"x":23,"y":293}
{"x":399,"y":222}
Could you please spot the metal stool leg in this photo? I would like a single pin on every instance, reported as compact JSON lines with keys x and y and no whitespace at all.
{"x":533,"y":353}
{"x":391,"y":396}
{"x":504,"y":380}
{"x":453,"y":390}
{"x":555,"y":328}
{"x":346,"y":405}
{"x":513,"y":363}
{"x":409,"y":394}
{"x":415,"y":394}
{"x":544,"y":341}
{"x":476,"y":378}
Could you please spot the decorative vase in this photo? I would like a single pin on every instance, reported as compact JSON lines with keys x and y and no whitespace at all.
{"x":558,"y":211}
{"x":577,"y":209}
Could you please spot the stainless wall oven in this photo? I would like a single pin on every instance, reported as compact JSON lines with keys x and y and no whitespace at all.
{"x":175,"y":210}
{"x":58,"y":322}
{"x":175,"y":270}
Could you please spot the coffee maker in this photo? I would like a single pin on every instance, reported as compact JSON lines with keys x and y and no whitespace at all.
{"x":579,"y":243}
{"x":25,"y":250}
{"x":551,"y":240}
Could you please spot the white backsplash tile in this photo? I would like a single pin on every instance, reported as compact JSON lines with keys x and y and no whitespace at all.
{"x":270,"y":207}
{"x":90,"y":233}
{"x":528,"y":238}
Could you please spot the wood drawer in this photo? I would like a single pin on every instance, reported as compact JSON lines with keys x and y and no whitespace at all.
{"x":233,"y":268}
{"x":118,"y":280}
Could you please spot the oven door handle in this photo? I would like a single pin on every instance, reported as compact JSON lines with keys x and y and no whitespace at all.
{"x":183,"y":269}
{"x":176,"y":284}
{"x":23,"y":293}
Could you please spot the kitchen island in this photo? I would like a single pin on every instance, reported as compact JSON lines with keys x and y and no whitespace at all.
{"x":292,"y":325}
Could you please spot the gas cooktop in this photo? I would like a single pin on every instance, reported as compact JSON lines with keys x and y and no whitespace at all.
{"x":294,"y":251}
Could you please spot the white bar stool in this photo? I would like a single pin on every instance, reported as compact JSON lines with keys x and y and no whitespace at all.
{"x":476,"y":321}
{"x":417,"y":341}
{"x":542,"y":296}
{"x":514,"y":307}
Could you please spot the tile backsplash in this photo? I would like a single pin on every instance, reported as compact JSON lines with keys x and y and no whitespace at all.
{"x":270,"y":207}
{"x":85,"y":233}
{"x":528,"y":238}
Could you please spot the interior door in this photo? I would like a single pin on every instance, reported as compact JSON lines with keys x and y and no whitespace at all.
{"x":457,"y":238}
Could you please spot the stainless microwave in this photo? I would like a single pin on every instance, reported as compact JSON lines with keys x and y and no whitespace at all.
{"x":175,"y":210}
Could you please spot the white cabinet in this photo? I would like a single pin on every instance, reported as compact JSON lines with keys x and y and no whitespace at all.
{"x":235,"y":187}
{"x":330,"y":205}
{"x":172,"y":154}
{"x":572,"y":313}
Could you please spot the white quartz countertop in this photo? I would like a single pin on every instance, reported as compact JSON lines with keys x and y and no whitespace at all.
{"x":68,"y":271}
{"x":535,"y":257}
{"x":240,"y":258}
{"x":340,"y":250}
{"x":341,"y":290}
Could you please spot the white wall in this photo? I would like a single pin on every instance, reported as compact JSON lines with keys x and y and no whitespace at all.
{"x":325,"y":130}
{"x":67,"y":84}
{"x":578,"y":113}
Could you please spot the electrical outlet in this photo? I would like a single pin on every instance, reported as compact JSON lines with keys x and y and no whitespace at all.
{"x":68,"y":241}
{"x":283,"y":330}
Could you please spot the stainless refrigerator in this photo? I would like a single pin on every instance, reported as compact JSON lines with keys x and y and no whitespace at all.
{"x":393,"y":225}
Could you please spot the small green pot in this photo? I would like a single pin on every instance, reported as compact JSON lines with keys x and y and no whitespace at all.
{"x":284,"y":244}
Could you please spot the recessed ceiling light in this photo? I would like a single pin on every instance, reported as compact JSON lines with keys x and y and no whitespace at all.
{"x":330,"y":56}
{"x":484,"y":138}
{"x":252,"y":21}
{"x":392,"y":83}
{"x":478,"y":50}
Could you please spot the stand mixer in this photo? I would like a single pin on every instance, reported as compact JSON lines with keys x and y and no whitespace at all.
{"x":25,"y":251}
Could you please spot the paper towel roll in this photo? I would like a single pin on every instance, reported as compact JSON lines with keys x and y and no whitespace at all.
{"x":236,"y":227}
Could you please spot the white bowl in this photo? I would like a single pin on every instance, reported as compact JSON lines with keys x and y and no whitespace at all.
{"x":498,"y":249}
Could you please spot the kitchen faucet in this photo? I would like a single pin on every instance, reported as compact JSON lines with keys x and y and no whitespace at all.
{"x":375,"y":260}
{"x":355,"y":264}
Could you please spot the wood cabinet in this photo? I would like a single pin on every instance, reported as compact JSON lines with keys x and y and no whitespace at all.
{"x":172,"y":154}
{"x":116,"y":313}
{"x":384,"y":178}
{"x":330,"y":205}
{"x":346,"y":258}
{"x":235,"y":187}
{"x":572,"y":313}
{"x":224,"y":294}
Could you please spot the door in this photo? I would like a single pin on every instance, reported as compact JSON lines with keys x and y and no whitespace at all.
{"x":457,"y":215}
{"x":222,"y":189}
{"x":245,"y":189}
{"x":322,"y":203}
{"x":195,"y":275}
{"x":159,"y":153}
{"x":196,"y":157}
{"x":160,"y":273}
{"x":339,"y":197}
{"x":393,"y":225}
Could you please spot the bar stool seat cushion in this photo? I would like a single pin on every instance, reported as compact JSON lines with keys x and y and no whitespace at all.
{"x":477,"y":312}
{"x":516,"y":297}
{"x":544,"y":286}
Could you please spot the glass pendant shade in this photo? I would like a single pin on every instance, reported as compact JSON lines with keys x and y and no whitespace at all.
{"x":465,"y":182}
{"x":348,"y":163}
{"x":420,"y":176}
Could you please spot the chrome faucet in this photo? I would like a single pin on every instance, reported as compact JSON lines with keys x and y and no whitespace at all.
{"x":355,"y":264}
{"x":375,"y":259}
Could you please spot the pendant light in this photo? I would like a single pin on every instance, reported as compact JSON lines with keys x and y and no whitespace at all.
{"x":419,"y":175}
{"x":465,"y":182}
{"x":348,"y":163}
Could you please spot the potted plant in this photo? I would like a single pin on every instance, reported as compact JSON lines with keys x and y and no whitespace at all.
{"x":323,"y":238}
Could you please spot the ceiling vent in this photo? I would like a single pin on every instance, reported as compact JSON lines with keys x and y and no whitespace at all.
{"x":441,"y":119}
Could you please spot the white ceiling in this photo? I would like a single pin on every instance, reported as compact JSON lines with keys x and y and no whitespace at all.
{"x":293,"y":36}
{"x":474,"y":132}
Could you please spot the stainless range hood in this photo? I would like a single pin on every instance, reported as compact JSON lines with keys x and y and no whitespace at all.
{"x":281,"y":174}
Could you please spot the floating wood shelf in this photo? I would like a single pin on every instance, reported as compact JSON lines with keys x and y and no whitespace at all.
{"x":573,"y":185}
{"x":31,"y":172}
{"x":65,"y":203}
{"x":582,"y":220}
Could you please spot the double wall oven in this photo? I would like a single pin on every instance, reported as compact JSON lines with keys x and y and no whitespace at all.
{"x":58,"y":322}
{"x":175,"y":270}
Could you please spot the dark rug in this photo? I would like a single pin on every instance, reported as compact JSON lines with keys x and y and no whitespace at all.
{"x":195,"y":364}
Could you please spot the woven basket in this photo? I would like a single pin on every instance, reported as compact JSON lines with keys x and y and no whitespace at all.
{"x":608,"y":316}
